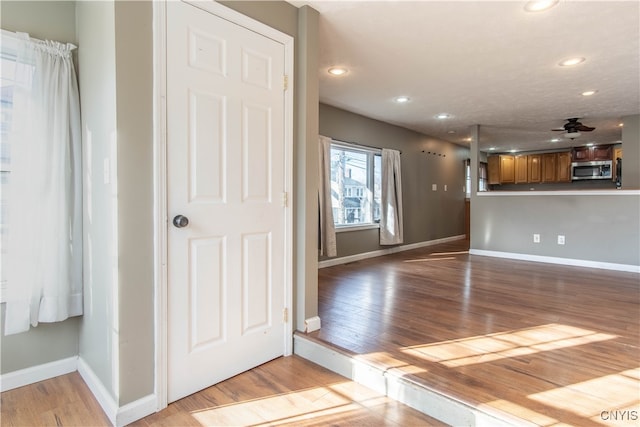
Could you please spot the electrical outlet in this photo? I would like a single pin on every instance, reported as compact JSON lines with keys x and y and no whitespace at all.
{"x":560,"y":239}
{"x":434,"y":187}
{"x":445,"y":187}
{"x":536,"y":238}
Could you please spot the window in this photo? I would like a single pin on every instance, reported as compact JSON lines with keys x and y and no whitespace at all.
{"x":7,"y":82}
{"x":482,"y":177}
{"x":483,"y":182}
{"x":355,"y":185}
{"x":467,"y":178}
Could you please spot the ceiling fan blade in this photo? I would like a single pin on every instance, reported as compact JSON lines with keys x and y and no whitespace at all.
{"x":559,"y":130}
{"x":583,"y":128}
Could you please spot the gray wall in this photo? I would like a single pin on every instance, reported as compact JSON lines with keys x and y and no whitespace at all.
{"x":116,"y":337}
{"x":428,"y":214}
{"x":134,"y":95}
{"x":631,"y":152}
{"x":597,"y":228}
{"x":96,"y":61}
{"x":53,"y":341}
{"x":604,"y":228}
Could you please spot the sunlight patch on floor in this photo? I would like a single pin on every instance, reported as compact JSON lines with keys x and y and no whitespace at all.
{"x":520,"y":411}
{"x":501,"y":345}
{"x":598,"y":399}
{"x":295,"y":407}
{"x":383,"y":358}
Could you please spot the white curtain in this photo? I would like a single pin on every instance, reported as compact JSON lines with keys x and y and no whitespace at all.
{"x":327,"y":226}
{"x":44,"y":253}
{"x":391,"y":199}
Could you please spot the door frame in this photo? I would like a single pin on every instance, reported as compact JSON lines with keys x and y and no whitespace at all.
{"x":161,"y":221}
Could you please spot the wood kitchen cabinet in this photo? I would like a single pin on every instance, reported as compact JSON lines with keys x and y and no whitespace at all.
{"x":507,"y":169}
{"x":549,"y":167}
{"x":563,"y":167}
{"x":587,"y":154}
{"x":556,"y":167}
{"x":534,"y":168}
{"x":521,"y":172}
{"x":493,"y":166}
{"x":602,"y":152}
{"x":501,"y":169}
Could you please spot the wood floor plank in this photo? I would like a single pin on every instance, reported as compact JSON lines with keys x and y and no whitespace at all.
{"x":531,"y":339}
{"x":285,"y":391}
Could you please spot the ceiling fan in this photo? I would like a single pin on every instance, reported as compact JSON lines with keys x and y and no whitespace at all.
{"x":573,"y":128}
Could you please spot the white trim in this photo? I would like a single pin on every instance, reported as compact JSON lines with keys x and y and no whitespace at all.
{"x":560,"y":193}
{"x":381,"y":252}
{"x":118,"y":416}
{"x":136,"y":410}
{"x":554,"y":260}
{"x":289,"y":69}
{"x":160,"y":201}
{"x":160,"y":177}
{"x":37,"y":373}
{"x":105,"y":399}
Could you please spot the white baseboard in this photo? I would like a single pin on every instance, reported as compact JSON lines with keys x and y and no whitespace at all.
{"x":38,"y":373}
{"x":554,"y":260}
{"x":136,"y":410}
{"x":118,"y":416}
{"x":100,"y":392}
{"x":357,"y":257}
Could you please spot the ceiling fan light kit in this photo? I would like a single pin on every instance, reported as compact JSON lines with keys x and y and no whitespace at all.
{"x":572,"y":135}
{"x":573,"y":128}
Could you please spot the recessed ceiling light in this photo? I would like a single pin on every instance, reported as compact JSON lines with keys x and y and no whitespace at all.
{"x":590,"y":144}
{"x":338,"y":71}
{"x":571,"y":61}
{"x":555,"y":140}
{"x":443,"y":116}
{"x":620,"y":124}
{"x":402,"y":99}
{"x":451,"y":132}
{"x":514,"y":151}
{"x":589,"y":92}
{"x":492,"y":148}
{"x":539,"y":5}
{"x":468,"y":139}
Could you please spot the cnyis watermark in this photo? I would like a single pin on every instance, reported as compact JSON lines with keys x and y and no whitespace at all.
{"x":620,"y":415}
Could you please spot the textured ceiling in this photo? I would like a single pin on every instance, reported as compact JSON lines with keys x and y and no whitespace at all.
{"x":486,"y":63}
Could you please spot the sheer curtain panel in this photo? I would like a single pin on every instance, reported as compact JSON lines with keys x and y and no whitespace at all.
{"x":327,"y":226}
{"x":44,"y":253}
{"x":391,"y":232}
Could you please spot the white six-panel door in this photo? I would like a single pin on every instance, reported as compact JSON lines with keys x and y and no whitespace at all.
{"x":226,"y":176}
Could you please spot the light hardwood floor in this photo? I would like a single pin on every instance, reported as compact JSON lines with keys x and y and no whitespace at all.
{"x":549,"y":344}
{"x":553,"y":345}
{"x":285,"y":391}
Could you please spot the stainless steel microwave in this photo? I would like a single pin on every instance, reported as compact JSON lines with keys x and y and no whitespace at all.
{"x":600,"y":169}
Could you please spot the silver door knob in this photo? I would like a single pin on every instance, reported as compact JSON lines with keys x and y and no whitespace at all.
{"x":180,"y":221}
